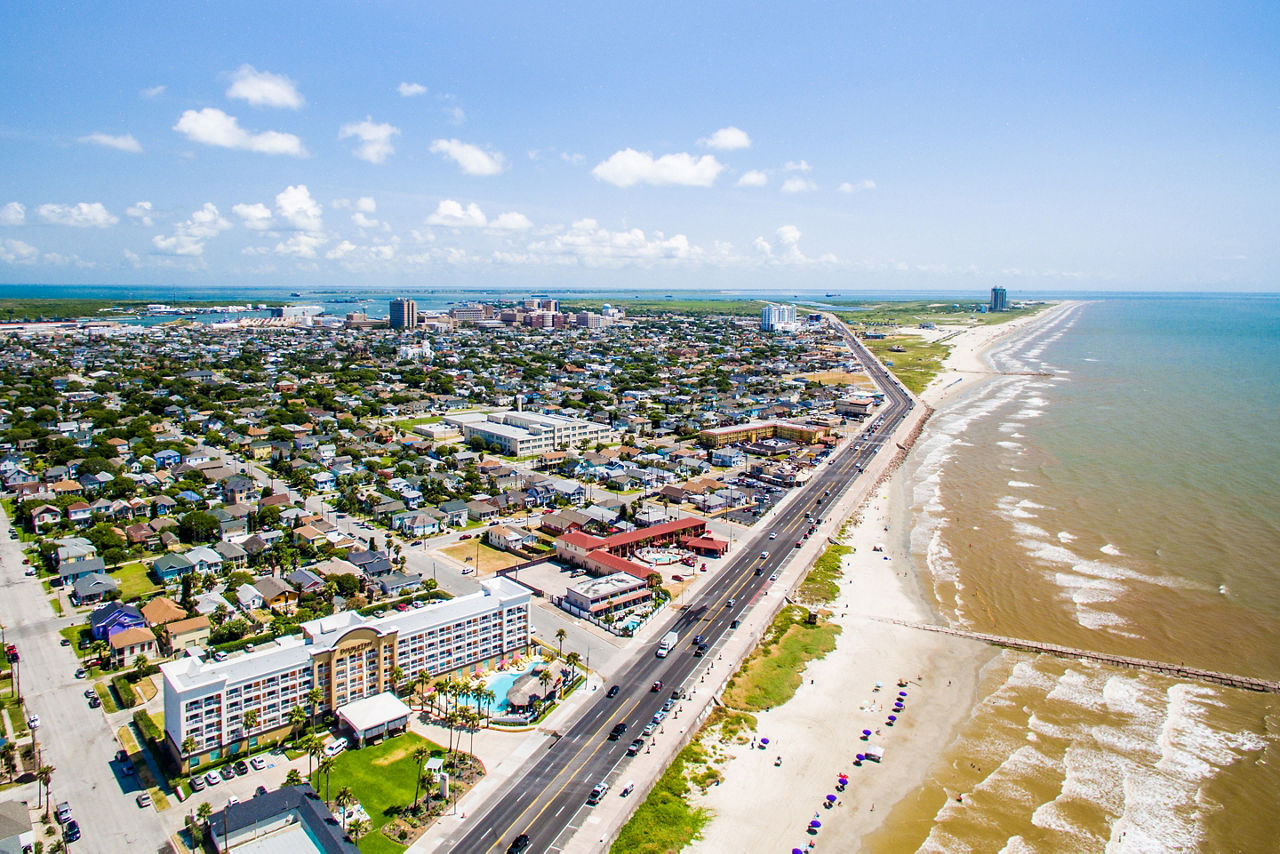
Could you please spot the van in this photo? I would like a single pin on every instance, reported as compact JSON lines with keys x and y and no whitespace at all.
{"x":597,"y":793}
{"x":335,"y":747}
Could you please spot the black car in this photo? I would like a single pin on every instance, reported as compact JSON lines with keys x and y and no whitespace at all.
{"x":226,"y":773}
{"x":617,"y":731}
{"x":241,"y":768}
{"x":697,"y":640}
{"x":519,"y":845}
{"x":635,"y":747}
{"x":734,"y":624}
{"x":700,"y":651}
{"x":260,"y":791}
{"x":72,"y":831}
{"x":675,"y":695}
{"x":612,"y":692}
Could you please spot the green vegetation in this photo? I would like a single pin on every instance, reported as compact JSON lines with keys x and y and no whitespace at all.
{"x":666,"y":822}
{"x":150,"y":731}
{"x":822,"y":584}
{"x":912,"y":313}
{"x":381,"y":777}
{"x":687,"y":307}
{"x":407,"y":424}
{"x":135,"y":581}
{"x":67,"y":309}
{"x":772,"y":673}
{"x":125,"y":696}
{"x":917,"y":365}
{"x":108,"y":700}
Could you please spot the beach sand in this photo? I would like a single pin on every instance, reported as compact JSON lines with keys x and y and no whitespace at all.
{"x":763,"y":807}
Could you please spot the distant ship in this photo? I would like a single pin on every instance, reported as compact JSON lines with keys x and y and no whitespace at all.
{"x":296,"y":294}
{"x":833,"y":295}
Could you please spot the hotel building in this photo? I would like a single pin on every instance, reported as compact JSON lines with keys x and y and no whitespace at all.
{"x":347,"y":656}
{"x":522,"y":434}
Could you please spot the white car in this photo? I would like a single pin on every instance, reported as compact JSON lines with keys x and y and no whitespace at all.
{"x":335,"y":747}
{"x":774,"y":535}
{"x":773,"y":577}
{"x":34,"y":722}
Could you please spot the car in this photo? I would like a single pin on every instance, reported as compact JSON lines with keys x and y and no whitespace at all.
{"x":63,"y":812}
{"x":418,"y":603}
{"x":94,"y":702}
{"x":729,"y":604}
{"x":699,"y":652}
{"x":72,"y":831}
{"x":597,"y":793}
{"x":335,"y":747}
{"x":799,"y":543}
{"x":617,"y":731}
{"x":773,"y":577}
{"x":122,"y":755}
{"x":197,"y":783}
{"x":773,"y":536}
{"x":675,"y":695}
{"x":260,"y":791}
{"x":612,"y":692}
{"x":698,"y":640}
{"x":85,"y":643}
{"x":219,"y":655}
{"x":402,"y":607}
{"x":648,"y":730}
{"x":64,"y":642}
{"x":232,"y":800}
{"x":33,"y":722}
{"x":466,"y":570}
{"x":465,"y":537}
{"x":659,"y":716}
{"x":126,"y":768}
{"x":89,"y":692}
{"x":668,"y":705}
{"x":635,"y":747}
{"x":764,"y":555}
{"x":241,"y":768}
{"x":29,"y":572}
{"x":144,"y":799}
{"x":381,"y":612}
{"x":81,"y":673}
{"x":627,"y":789}
{"x":519,"y":845}
{"x":258,"y":763}
{"x":734,"y":624}
{"x":226,"y":773}
{"x":657,"y":686}
{"x":759,"y":570}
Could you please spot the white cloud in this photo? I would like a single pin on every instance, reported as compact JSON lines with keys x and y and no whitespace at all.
{"x":13,"y":213}
{"x":473,"y":159}
{"x":120,"y":143}
{"x":797,"y":184}
{"x":512,"y":221}
{"x":141,"y":212}
{"x":256,"y":217}
{"x":858,"y":187}
{"x":453,"y":214}
{"x":787,"y":249}
{"x":587,"y":243}
{"x":301,"y":245}
{"x":298,"y":208}
{"x":375,"y":139}
{"x":355,"y":255}
{"x":456,"y":115}
{"x":152,"y":92}
{"x":264,"y":89}
{"x":797,"y":166}
{"x":17,"y":252}
{"x":754,"y":178}
{"x":211,"y":126}
{"x":629,"y":167}
{"x":188,"y":237}
{"x":82,"y":215}
{"x":727,"y":139}
{"x":364,"y":221}
{"x":410,"y":90}
{"x":366,"y":204}
{"x":573,"y":158}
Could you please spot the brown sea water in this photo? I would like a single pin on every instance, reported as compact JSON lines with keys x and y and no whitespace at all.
{"x":1116,"y":488}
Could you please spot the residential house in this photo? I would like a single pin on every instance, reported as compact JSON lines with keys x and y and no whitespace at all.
{"x":169,"y":567}
{"x":305,"y":580}
{"x":238,"y":489}
{"x":161,"y":610}
{"x":167,"y":458}
{"x":455,"y":513}
{"x":72,"y":571}
{"x":230,"y":525}
{"x":415,"y":524}
{"x":249,"y":597}
{"x":233,"y":556}
{"x":93,"y":587}
{"x":399,"y":583}
{"x":17,"y":835}
{"x":114,"y":618}
{"x":128,"y":644}
{"x":509,"y":538}
{"x":191,"y":633}
{"x":205,"y":559}
{"x":373,"y":564}
{"x":482,"y":511}
{"x":73,"y":550}
{"x":276,"y":594}
{"x":80,"y":514}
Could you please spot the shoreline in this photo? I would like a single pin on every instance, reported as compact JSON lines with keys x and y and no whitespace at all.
{"x":760,"y":806}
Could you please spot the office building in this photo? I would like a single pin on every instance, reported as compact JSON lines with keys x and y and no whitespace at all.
{"x":346,"y":655}
{"x":999,"y":299}
{"x":404,"y":313}
{"x":776,"y":318}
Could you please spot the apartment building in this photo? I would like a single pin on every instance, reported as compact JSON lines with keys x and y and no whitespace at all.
{"x":522,"y":434}
{"x":346,"y":655}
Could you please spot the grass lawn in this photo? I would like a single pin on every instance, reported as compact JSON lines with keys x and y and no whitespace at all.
{"x":491,"y":560}
{"x":381,"y":777}
{"x":772,"y":673}
{"x":822,"y":584}
{"x":837,"y":378}
{"x":407,"y":424}
{"x":146,"y":687}
{"x":915,"y":367}
{"x":666,"y":821}
{"x":108,"y":699}
{"x":56,"y":604}
{"x":134,"y":581}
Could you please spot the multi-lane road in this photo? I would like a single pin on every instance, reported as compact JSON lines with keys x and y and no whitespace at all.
{"x":543,"y":798}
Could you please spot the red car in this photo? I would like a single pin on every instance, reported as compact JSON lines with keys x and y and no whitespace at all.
{"x":403,"y":606}
{"x":465,"y":537}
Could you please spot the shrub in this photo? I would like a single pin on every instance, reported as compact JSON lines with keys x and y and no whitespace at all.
{"x":124,"y":691}
{"x":147,"y":726}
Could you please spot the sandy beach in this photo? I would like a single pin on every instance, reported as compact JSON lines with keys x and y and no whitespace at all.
{"x":761,"y":806}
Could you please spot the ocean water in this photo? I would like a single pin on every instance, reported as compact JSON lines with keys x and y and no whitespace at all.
{"x":1115,"y":486}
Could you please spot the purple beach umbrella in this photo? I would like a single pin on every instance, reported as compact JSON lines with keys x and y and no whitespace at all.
{"x":831,"y":799}
{"x":815,"y":824}
{"x":860,"y":757}
{"x":902,"y":693}
{"x":764,"y":741}
{"x":796,"y":851}
{"x":893,"y":717}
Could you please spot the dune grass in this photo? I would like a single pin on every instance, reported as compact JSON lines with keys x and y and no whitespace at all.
{"x":772,"y":673}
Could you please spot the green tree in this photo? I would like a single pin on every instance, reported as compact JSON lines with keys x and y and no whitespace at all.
{"x":420,"y":755}
{"x":344,"y":799}
{"x":197,"y":526}
{"x":561,"y":634}
{"x":325,"y":767}
{"x":293,"y":778}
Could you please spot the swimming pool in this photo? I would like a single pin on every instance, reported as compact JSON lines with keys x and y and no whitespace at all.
{"x":500,"y":684}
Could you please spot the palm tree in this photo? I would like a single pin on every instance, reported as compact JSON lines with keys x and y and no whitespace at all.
{"x":293,"y":778}
{"x":297,"y":717}
{"x":473,"y":722}
{"x":573,"y":659}
{"x":188,"y":747}
{"x":420,"y":682}
{"x":420,"y":754}
{"x":345,"y":798}
{"x":9,"y":756}
{"x":397,"y":676}
{"x":204,"y":812}
{"x":544,"y":676}
{"x":487,"y":697}
{"x":358,"y":828}
{"x":249,"y":720}
{"x":44,"y":776}
{"x":561,"y":634}
{"x":315,"y":749}
{"x":314,"y":696}
{"x":325,"y":766}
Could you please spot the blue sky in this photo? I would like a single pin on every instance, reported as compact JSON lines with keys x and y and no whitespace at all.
{"x":824,"y":145}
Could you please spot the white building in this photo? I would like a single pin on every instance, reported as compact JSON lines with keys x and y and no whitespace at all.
{"x":522,"y":434}
{"x":347,"y":656}
{"x":776,"y":318}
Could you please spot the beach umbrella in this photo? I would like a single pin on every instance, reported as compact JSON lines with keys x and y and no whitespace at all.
{"x":831,"y":799}
{"x":844,"y":781}
{"x":764,"y":741}
{"x":893,"y":717}
{"x":860,"y":757}
{"x":866,"y":732}
{"x":902,"y":693}
{"x":815,"y":824}
{"x":796,"y":851}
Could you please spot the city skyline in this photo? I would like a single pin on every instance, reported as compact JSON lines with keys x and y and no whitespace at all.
{"x":924,"y":149}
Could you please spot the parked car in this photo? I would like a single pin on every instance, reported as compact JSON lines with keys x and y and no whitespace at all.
{"x":63,"y":812}
{"x":81,"y":673}
{"x":335,"y":747}
{"x":258,"y":763}
{"x":33,"y":722}
{"x":648,"y":730}
{"x":64,"y":642}
{"x":94,"y":702}
{"x":241,"y":768}
{"x":72,"y":831}
{"x":197,"y":783}
{"x":402,"y":607}
{"x":635,"y":747}
{"x":597,"y":793}
{"x":226,"y":773}
{"x":260,"y":791}
{"x":144,"y":799}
